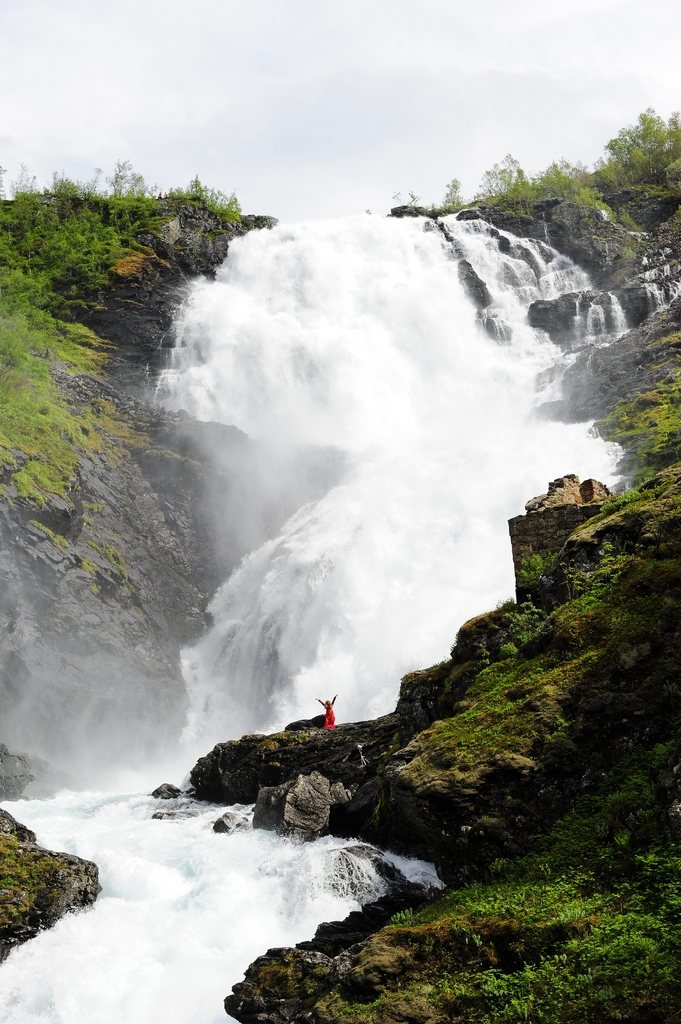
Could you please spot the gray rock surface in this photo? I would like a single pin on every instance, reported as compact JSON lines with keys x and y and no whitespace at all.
{"x":300,"y":807}
{"x":15,"y":774}
{"x":166,"y":791}
{"x":232,"y":821}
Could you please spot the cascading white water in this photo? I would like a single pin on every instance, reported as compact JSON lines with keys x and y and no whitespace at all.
{"x":182,"y":913}
{"x":357,"y":334}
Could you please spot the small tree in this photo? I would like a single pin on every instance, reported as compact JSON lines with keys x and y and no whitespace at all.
{"x":127,"y":182}
{"x":503,"y":179}
{"x":641,"y":152}
{"x":227,"y":207}
{"x":452,"y":199}
{"x":3,"y":172}
{"x":25,"y":183}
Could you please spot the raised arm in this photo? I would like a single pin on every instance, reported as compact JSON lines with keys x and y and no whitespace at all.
{"x":321,"y":702}
{"x":333,"y":701}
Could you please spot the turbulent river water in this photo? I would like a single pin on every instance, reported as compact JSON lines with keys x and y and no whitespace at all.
{"x":357,"y":337}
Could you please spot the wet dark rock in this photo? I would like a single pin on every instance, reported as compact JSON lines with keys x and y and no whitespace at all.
{"x":37,"y":886}
{"x":473,"y":285}
{"x":15,"y":774}
{"x":166,"y":791}
{"x":496,"y":328}
{"x":646,"y":210}
{"x":599,"y":378}
{"x":410,"y":211}
{"x":230,"y":822}
{"x":279,"y":987}
{"x":306,"y":723}
{"x":332,"y":937}
{"x":300,"y":807}
{"x":172,"y":815}
{"x":234,"y":772}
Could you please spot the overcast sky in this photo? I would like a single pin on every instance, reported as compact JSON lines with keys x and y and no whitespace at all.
{"x":312,"y":108}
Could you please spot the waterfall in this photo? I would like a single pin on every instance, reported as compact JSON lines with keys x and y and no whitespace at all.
{"x":617,"y":318}
{"x":356,"y":335}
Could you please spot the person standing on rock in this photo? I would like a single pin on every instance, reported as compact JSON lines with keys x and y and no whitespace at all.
{"x":329,"y":718}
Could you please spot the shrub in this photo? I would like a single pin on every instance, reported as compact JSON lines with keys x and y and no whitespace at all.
{"x":227,"y":207}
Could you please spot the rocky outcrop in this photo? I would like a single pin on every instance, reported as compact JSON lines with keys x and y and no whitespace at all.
{"x":15,"y":774}
{"x":549,"y":521}
{"x":647,"y":207}
{"x":136,"y":311}
{"x":473,"y":285}
{"x":587,"y":235}
{"x":635,"y":363}
{"x":37,"y":887}
{"x":300,"y":807}
{"x":234,"y":772}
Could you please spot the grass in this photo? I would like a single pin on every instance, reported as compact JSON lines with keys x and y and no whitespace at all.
{"x":41,"y":433}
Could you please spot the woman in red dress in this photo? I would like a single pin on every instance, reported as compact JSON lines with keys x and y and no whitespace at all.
{"x":330,"y":717}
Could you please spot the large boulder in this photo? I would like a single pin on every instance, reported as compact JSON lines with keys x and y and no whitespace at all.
{"x":37,"y":887}
{"x":300,"y":807}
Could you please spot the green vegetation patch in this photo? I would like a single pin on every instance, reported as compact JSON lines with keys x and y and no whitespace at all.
{"x":27,"y":875}
{"x":35,"y":419}
{"x":648,"y":425}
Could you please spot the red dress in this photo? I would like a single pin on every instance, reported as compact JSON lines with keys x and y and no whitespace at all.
{"x":329,"y":719}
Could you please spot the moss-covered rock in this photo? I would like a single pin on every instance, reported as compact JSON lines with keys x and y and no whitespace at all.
{"x":37,"y":887}
{"x":546,"y":791}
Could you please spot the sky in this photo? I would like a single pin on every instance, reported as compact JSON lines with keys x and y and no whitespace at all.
{"x":318,"y":108}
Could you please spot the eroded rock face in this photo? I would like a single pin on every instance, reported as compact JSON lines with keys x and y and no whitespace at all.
{"x":15,"y":774}
{"x":37,"y":887}
{"x":599,"y":378}
{"x":234,"y":772}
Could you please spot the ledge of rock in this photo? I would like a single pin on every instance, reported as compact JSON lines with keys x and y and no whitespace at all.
{"x":234,"y":772}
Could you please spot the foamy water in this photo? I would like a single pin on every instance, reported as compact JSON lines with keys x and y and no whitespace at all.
{"x":357,"y":334}
{"x":182,"y":913}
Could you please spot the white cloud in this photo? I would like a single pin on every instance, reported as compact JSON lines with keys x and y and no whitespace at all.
{"x":313,"y":108}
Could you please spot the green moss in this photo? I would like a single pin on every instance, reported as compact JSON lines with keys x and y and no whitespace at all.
{"x":27,"y":875}
{"x":113,"y":556}
{"x":649,"y":425}
{"x":56,"y":538}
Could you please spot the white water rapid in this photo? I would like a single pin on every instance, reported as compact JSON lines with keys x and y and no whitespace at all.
{"x":182,"y":913}
{"x":354,"y":335}
{"x":357,"y":335}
